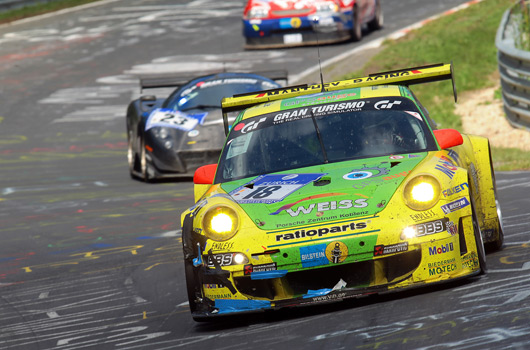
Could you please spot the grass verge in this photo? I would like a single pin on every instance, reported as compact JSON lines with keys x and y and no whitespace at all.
{"x":39,"y":9}
{"x":466,"y":38}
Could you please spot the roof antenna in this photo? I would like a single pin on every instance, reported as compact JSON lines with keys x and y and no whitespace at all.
{"x":315,"y":21}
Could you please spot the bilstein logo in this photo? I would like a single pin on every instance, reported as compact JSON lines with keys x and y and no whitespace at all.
{"x":320,"y":232}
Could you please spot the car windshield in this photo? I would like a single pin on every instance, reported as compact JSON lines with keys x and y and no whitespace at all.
{"x":208,"y":93}
{"x":321,"y":134}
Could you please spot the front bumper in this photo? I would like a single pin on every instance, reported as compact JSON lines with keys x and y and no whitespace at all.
{"x":395,"y":268}
{"x":282,"y":32}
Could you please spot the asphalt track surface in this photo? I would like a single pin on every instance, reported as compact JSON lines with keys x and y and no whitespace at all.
{"x":91,"y":259}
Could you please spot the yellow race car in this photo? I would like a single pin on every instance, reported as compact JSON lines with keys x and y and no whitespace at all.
{"x":332,"y":191}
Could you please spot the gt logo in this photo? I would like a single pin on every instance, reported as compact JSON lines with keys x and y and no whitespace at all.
{"x":386,"y":104}
{"x":248,"y":127}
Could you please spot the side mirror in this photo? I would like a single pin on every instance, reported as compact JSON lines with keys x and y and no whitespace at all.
{"x":205,"y":174}
{"x":448,"y":138}
{"x":203,"y":179}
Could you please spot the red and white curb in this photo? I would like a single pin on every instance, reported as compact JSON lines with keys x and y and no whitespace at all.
{"x":378,"y":42}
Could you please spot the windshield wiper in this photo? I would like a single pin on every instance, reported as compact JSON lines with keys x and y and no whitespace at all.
{"x":200,"y":107}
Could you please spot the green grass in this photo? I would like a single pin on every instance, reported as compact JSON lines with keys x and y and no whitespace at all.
{"x":505,"y":159}
{"x":466,"y":38}
{"x":38,"y":9}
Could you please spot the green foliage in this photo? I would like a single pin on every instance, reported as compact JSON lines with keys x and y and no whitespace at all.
{"x":38,"y":9}
{"x":521,"y":15}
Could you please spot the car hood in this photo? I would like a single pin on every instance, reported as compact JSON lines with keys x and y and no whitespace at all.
{"x":322,"y":193}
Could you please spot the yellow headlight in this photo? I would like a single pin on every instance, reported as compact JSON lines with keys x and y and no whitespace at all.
{"x":220,"y":223}
{"x":422,"y":192}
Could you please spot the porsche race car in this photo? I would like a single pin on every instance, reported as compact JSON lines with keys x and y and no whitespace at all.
{"x":324,"y":193}
{"x":278,"y":23}
{"x":171,"y":137}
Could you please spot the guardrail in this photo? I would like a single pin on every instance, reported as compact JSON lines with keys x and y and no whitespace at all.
{"x":514,"y":68}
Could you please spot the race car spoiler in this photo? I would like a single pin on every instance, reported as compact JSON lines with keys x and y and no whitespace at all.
{"x":156,"y":82}
{"x":406,"y":77}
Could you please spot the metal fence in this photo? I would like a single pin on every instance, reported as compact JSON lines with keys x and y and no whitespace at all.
{"x":514,"y":68}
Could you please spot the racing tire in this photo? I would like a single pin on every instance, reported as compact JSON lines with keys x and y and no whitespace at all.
{"x":499,"y":242}
{"x":356,"y":31}
{"x":131,"y":154}
{"x":144,"y":165}
{"x":377,"y":22}
{"x":481,"y":251}
{"x":191,"y":284}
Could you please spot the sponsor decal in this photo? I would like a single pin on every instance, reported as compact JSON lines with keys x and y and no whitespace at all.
{"x":452,"y":228}
{"x":441,"y":263}
{"x":325,"y":206}
{"x":193,"y":133}
{"x":431,"y":227}
{"x":174,"y":119}
{"x":249,"y":269}
{"x":366,"y":172}
{"x":222,"y":245}
{"x":352,"y":106}
{"x":439,"y":267}
{"x":441,"y":249}
{"x":454,"y":206}
{"x":488,"y":234}
{"x":212,"y":286}
{"x":292,"y":115}
{"x":415,"y":115}
{"x":381,"y":249}
{"x":455,"y":156}
{"x":320,"y":231}
{"x":336,"y":252}
{"x":445,"y":165}
{"x":454,"y":190}
{"x":296,"y":22}
{"x":314,"y":255}
{"x":328,"y":297}
{"x":386,"y":104}
{"x":290,"y":224}
{"x":221,"y":259}
{"x":425,"y":215}
{"x":272,"y":188}
{"x":396,"y":157}
{"x":470,"y":261}
{"x":248,"y":127}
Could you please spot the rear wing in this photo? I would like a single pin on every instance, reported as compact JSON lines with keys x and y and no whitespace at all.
{"x":406,"y":77}
{"x":175,"y":81}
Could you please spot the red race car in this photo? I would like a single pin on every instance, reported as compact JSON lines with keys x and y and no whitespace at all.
{"x":278,"y":23}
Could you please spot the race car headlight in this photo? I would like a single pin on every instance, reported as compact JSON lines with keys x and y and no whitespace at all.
{"x":422,"y":192}
{"x":258,"y":12}
{"x":220,"y":223}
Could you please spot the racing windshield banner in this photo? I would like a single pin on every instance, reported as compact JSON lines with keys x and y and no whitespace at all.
{"x":174,"y":119}
{"x":315,"y":108}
